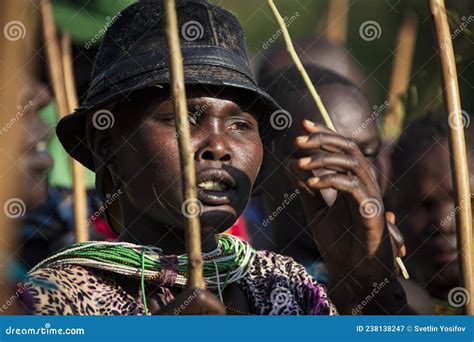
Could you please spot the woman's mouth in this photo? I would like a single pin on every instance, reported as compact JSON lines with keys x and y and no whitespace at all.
{"x":215,"y":187}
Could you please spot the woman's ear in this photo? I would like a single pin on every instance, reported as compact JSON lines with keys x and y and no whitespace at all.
{"x":102,"y":150}
{"x":104,"y":163}
{"x":107,"y":181}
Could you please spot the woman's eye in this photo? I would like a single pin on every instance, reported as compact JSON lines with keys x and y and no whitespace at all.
{"x":167,"y":118}
{"x":240,"y":125}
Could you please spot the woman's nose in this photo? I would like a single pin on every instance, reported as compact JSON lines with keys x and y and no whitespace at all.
{"x":213,"y":147}
{"x":214,"y":152}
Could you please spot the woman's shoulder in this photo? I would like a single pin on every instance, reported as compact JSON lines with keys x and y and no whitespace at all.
{"x":68,"y":276}
{"x":75,"y":290}
{"x":272,"y":262}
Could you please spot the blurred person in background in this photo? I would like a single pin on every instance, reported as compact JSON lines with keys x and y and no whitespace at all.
{"x":352,"y":117}
{"x":422,"y":196}
{"x":48,"y":220}
{"x":319,"y":51}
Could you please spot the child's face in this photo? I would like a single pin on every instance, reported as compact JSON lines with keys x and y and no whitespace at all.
{"x":226,"y":146}
{"x":425,"y":212}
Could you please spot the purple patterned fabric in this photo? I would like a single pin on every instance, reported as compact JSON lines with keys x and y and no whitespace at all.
{"x":274,"y":285}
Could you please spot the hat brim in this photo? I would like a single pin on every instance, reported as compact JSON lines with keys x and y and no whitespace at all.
{"x":71,"y":129}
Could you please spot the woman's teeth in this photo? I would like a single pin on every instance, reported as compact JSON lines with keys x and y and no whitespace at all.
{"x":212,"y":186}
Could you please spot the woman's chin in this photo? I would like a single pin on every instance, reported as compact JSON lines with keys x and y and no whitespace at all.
{"x":214,"y":221}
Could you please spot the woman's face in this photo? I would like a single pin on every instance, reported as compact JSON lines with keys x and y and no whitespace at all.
{"x":226,"y":148}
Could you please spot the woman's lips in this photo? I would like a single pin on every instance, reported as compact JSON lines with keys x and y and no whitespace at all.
{"x":215,"y":187}
{"x":215,"y":198}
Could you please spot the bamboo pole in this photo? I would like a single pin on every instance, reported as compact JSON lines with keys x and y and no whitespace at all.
{"x":15,"y":41}
{"x":400,"y":79}
{"x":64,"y":105}
{"x":299,"y":65}
{"x":79,"y":194}
{"x":193,"y":229}
{"x":338,"y":14}
{"x":458,"y":149}
{"x":53,"y":54}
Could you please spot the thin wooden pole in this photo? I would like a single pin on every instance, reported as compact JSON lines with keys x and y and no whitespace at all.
{"x":18,"y":27}
{"x":458,"y":149}
{"x":53,"y":54}
{"x":56,"y":72}
{"x":193,"y":229}
{"x":338,"y":14}
{"x":300,"y":67}
{"x":79,"y":194}
{"x":400,"y":79}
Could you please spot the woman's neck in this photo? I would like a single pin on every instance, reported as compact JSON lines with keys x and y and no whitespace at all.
{"x":146,"y":231}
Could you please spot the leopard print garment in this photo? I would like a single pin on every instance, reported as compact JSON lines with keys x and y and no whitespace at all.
{"x":275,"y":285}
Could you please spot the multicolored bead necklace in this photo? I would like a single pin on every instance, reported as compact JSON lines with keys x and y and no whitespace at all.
{"x":228,"y":263}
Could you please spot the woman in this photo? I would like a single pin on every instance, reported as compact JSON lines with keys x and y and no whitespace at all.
{"x":125,"y":132}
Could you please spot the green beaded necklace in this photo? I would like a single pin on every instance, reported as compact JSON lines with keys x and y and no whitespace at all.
{"x":228,"y":263}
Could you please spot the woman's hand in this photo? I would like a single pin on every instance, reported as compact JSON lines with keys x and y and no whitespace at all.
{"x":352,"y":234}
{"x":194,"y":302}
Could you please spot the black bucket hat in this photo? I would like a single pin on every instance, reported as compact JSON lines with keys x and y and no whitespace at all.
{"x":133,"y":56}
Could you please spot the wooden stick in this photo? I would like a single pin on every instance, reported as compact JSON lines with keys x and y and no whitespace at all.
{"x":400,"y":79}
{"x":299,"y":65}
{"x":458,"y":149}
{"x":193,"y":229}
{"x":338,"y":14}
{"x":55,"y":67}
{"x":79,"y":194}
{"x":15,"y":45}
{"x":53,"y":54}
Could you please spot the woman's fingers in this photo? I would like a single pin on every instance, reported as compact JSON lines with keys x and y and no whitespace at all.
{"x":345,"y":183}
{"x":312,"y":127}
{"x":332,"y":161}
{"x":327,"y":141}
{"x":338,"y":162}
